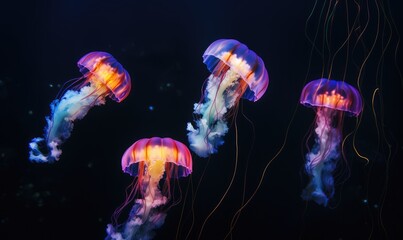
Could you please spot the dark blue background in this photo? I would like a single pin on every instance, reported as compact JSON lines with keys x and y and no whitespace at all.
{"x":161,"y":43}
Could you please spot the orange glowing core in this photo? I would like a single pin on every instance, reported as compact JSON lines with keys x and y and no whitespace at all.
{"x":332,"y":100}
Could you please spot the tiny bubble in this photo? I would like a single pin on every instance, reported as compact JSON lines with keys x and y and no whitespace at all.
{"x":90,"y":165}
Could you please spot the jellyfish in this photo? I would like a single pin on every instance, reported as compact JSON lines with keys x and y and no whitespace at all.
{"x":103,"y":76}
{"x":330,"y":99}
{"x":150,"y":161}
{"x":236,"y":72}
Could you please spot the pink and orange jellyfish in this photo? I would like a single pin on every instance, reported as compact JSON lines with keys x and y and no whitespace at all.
{"x":236,"y":72}
{"x":150,"y":161}
{"x":330,"y":99}
{"x":103,"y":76}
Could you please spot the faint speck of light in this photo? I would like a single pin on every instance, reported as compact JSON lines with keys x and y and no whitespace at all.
{"x":90,"y":164}
{"x":30,"y":112}
{"x":151,"y":108}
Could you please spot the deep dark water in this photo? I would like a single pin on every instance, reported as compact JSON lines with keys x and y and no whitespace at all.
{"x":161,"y":43}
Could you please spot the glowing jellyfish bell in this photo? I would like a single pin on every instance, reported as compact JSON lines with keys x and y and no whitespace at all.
{"x":102,"y":76}
{"x":102,"y":70}
{"x":236,"y":72}
{"x":150,"y":161}
{"x":330,"y":99}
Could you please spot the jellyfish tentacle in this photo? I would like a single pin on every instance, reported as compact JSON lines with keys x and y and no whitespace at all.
{"x":221,"y":95}
{"x":322,"y":160}
{"x":144,"y":217}
{"x":73,"y":105}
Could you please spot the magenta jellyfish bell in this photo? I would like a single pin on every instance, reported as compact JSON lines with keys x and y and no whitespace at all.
{"x":330,"y":99}
{"x":236,"y":72}
{"x":104,"y":70}
{"x":229,"y":55}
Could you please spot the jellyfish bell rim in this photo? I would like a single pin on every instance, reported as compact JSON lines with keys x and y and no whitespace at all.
{"x":252,"y":93}
{"x":349,"y":113}
{"x":316,"y":85}
{"x":131,"y":168}
{"x":128,"y":80}
{"x":94,"y":57}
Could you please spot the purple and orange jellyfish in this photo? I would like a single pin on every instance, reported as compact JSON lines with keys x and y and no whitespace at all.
{"x":103,"y":76}
{"x":330,"y":99}
{"x":236,"y":72}
{"x":150,"y":161}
